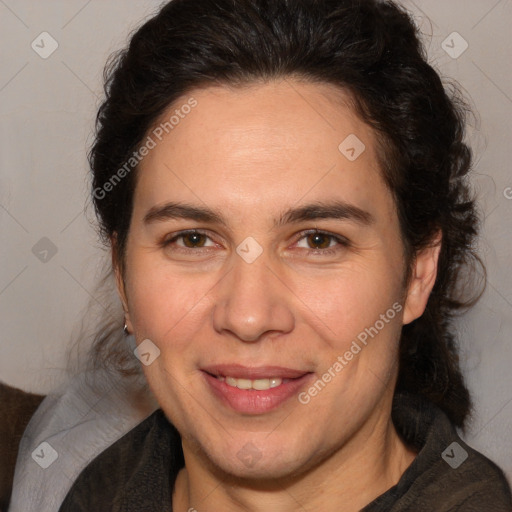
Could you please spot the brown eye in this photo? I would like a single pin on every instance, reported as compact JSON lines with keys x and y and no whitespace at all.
{"x":192,"y":240}
{"x":320,"y":242}
{"x":319,"y":239}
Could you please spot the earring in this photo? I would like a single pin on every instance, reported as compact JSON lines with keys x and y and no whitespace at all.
{"x":130,"y":338}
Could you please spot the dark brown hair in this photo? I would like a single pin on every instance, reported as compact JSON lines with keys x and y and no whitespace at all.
{"x":368,"y":48}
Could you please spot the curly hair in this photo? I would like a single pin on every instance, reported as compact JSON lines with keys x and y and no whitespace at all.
{"x":372,"y":50}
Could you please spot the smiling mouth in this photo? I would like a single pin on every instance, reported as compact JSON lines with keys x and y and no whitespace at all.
{"x":254,"y":390}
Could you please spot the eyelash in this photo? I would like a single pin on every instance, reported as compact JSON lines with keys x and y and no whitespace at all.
{"x":343,"y":242}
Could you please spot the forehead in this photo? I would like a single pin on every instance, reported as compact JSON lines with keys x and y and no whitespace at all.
{"x":261,"y":145}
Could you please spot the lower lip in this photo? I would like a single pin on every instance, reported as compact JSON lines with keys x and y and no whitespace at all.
{"x":253,"y":401}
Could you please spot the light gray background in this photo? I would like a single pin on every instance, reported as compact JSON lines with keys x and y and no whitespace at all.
{"x":47,"y":109}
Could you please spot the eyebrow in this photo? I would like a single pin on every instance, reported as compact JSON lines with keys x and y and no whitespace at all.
{"x":338,"y":210}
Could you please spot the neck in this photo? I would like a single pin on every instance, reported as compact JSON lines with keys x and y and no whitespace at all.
{"x":366,"y":466}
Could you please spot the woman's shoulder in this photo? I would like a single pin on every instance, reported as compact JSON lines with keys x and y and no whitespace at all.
{"x":130,"y":471}
{"x":480,"y":484}
{"x":447,"y":474}
{"x":463,"y":480}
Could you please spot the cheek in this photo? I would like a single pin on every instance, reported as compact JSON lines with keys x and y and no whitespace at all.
{"x":347,"y":302}
{"x":167,"y":305}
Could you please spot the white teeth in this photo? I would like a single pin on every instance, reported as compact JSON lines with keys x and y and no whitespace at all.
{"x":258,"y":384}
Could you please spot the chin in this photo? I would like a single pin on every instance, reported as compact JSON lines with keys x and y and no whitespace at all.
{"x":262,"y":471}
{"x":268,"y":463}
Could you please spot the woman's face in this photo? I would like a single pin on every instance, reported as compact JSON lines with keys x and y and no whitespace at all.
{"x":254,"y":295}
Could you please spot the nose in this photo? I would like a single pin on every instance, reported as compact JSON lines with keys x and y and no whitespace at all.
{"x":252,"y":301}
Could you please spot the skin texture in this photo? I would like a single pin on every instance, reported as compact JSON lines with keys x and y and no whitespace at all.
{"x":252,"y":153}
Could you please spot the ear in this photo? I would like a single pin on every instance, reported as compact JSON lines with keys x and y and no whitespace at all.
{"x":119,"y":281}
{"x":422,"y":281}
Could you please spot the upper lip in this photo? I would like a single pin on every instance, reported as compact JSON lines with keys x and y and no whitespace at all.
{"x":238,"y":371}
